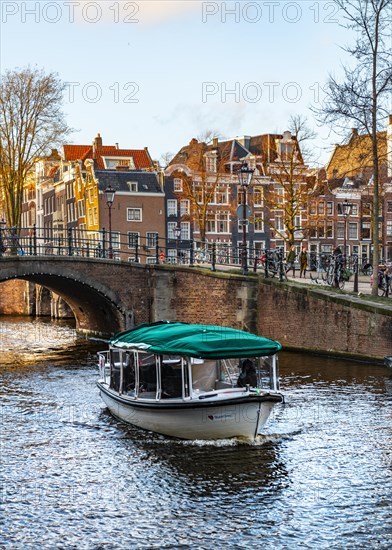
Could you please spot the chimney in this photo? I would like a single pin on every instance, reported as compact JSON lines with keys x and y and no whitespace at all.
{"x":97,"y":143}
{"x":215,"y":142}
{"x":244,"y":141}
{"x":116,"y":144}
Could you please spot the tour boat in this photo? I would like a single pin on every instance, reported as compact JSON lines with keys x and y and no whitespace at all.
{"x":191,"y":381}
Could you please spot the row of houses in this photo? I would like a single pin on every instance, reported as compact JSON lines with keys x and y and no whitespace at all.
{"x":197,"y":198}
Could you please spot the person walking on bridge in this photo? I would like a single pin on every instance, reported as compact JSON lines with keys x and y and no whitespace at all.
{"x":303,"y":262}
{"x":291,"y":260}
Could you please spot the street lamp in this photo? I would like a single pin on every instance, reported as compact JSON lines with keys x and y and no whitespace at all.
{"x":245,"y":175}
{"x":109,"y":197}
{"x":177,"y":234}
{"x":346,"y":210}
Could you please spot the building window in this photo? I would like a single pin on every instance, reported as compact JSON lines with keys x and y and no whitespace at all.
{"x":340,"y":230}
{"x":258,"y":221}
{"x":81,"y":209}
{"x":389,"y":207}
{"x":354,"y":210}
{"x":365,"y":234}
{"x":184,"y":207}
{"x":329,"y":230}
{"x":279,"y":224}
{"x":116,"y":240}
{"x":133,"y":239}
{"x":389,"y":228}
{"x":172,"y":207}
{"x":353,"y":230}
{"x":132,"y":186}
{"x":366,"y":209}
{"x":170,"y":230}
{"x":211,"y":163}
{"x":177,"y":185}
{"x":313,"y":210}
{"x":258,"y":196}
{"x":134,"y":214}
{"x":221,"y":195}
{"x":279,"y":195}
{"x":151,"y":239}
{"x":185,"y":231}
{"x":222,"y":222}
{"x":321,"y":208}
{"x":329,"y":208}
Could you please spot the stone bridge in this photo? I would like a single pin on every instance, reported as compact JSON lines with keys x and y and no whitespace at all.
{"x":107,"y":296}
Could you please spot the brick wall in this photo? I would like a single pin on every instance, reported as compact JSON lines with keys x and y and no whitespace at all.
{"x":320,"y":321}
{"x":15,"y":298}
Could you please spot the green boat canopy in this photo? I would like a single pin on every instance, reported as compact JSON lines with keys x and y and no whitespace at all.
{"x":200,"y":341}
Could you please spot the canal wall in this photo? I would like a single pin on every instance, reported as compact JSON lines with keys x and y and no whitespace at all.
{"x":300,"y":317}
{"x":323,"y":321}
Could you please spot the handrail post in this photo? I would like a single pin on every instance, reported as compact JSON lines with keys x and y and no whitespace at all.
{"x":266,"y":254}
{"x":281,"y":278}
{"x":103,"y":243}
{"x":137,"y":251}
{"x":1,"y":242}
{"x":191,"y":253}
{"x":355,"y":269}
{"x":213,"y":257}
{"x":34,"y":240}
{"x":157,"y":249}
{"x":70,"y":251}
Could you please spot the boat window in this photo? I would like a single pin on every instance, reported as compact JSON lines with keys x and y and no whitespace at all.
{"x":171,"y":377}
{"x":115,"y":369}
{"x":265,"y":378}
{"x":204,"y":375}
{"x":129,"y":374}
{"x":147,"y":376}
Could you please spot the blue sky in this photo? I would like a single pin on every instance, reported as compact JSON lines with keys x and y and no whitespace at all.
{"x":158,"y":73}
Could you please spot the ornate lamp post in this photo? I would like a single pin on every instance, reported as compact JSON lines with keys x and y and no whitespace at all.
{"x":245,"y":175}
{"x":177,"y":234}
{"x":346,"y":210}
{"x":109,"y":197}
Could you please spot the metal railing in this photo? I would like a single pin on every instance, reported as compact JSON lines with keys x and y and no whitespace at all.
{"x":153,"y":249}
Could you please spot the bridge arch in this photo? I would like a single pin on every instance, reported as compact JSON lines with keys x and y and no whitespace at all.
{"x":97,"y":307}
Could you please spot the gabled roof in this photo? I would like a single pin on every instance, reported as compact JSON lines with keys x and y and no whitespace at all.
{"x":354,"y":158}
{"x":140,"y":157}
{"x":227,"y":151}
{"x":147,"y":181}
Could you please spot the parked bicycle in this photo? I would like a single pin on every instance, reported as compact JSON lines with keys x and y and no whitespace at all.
{"x":384,"y":280}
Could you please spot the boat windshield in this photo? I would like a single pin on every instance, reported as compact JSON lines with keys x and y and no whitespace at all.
{"x":260,"y":372}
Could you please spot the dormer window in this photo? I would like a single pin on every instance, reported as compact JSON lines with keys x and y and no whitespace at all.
{"x":132,"y":186}
{"x":211,"y":162}
{"x":111,"y":163}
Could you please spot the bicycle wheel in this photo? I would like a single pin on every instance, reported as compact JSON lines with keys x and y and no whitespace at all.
{"x":341,"y":282}
{"x":329,"y":275}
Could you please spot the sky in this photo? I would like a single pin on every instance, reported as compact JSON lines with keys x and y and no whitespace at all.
{"x":158,"y":73}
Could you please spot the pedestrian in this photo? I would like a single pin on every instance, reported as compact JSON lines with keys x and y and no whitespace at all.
{"x":303,"y":262}
{"x":291,"y":260}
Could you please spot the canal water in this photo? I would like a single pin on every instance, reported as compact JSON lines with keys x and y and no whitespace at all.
{"x":73,"y":477}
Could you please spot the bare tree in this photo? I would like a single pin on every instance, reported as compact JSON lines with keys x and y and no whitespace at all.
{"x":291,"y":182}
{"x":31,"y":122}
{"x":363,"y":95}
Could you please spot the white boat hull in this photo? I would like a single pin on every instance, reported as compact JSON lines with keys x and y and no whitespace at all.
{"x":235,"y":417}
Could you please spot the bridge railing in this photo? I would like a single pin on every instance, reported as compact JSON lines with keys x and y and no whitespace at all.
{"x":148,"y":249}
